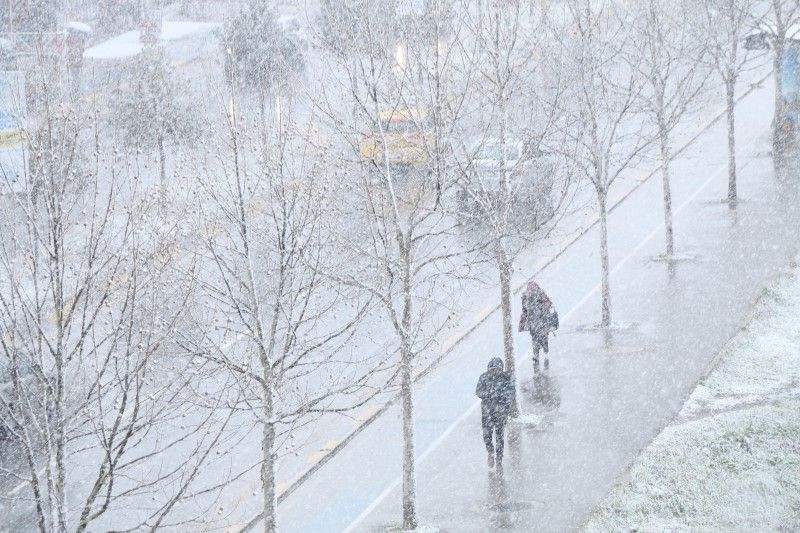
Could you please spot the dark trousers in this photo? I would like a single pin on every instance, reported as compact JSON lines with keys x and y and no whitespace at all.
{"x":493,"y":434}
{"x":539,"y":340}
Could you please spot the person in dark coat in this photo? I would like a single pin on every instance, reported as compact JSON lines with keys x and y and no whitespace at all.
{"x":497,"y":393}
{"x":539,"y":318}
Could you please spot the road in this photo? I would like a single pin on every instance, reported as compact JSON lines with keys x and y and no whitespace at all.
{"x":605,"y":396}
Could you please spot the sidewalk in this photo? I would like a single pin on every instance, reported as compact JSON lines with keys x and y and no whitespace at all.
{"x":601,"y":405}
{"x":730,"y":460}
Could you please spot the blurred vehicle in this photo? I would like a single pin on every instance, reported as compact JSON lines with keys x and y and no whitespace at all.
{"x":787,"y":129}
{"x":404,"y":138}
{"x":763,"y":33}
{"x":756,"y":41}
{"x":786,"y":125}
{"x":529,"y":175}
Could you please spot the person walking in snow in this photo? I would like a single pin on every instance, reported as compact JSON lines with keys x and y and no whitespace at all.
{"x":539,"y":318}
{"x":496,"y":391}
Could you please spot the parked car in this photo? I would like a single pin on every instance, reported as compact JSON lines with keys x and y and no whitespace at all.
{"x":760,"y":37}
{"x":407,"y":135}
{"x":756,"y":41}
{"x":529,"y":174}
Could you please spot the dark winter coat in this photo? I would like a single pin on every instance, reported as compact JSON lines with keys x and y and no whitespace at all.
{"x":538,"y":314}
{"x":496,"y":391}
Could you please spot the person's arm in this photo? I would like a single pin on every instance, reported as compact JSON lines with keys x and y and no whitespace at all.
{"x":480,"y":390}
{"x":523,"y":317}
{"x":555,"y":318}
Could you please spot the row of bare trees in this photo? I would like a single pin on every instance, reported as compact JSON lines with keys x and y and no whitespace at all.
{"x":93,"y":298}
{"x":311,"y":236}
{"x":595,"y":84}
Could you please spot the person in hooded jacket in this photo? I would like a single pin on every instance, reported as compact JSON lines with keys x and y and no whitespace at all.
{"x":539,"y":318}
{"x":496,"y":391}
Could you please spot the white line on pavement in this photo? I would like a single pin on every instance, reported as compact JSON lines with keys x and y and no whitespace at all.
{"x":436,"y":443}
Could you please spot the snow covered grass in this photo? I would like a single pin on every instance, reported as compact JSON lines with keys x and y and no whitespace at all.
{"x":763,"y":361}
{"x":731,"y":459}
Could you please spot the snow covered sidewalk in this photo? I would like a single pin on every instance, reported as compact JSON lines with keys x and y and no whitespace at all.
{"x":731,"y":459}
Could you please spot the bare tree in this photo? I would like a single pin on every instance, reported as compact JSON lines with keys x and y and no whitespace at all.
{"x":407,"y":101}
{"x":670,"y":58}
{"x":277,"y":322}
{"x":512,"y":188}
{"x":606,"y":134}
{"x":725,"y":22}
{"x":89,"y":302}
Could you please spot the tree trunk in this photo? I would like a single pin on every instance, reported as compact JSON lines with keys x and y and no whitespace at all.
{"x":409,"y":461}
{"x":162,"y":167}
{"x":508,"y":333}
{"x":777,"y":147}
{"x":60,"y":444}
{"x":407,"y":397}
{"x":605,"y":320}
{"x":668,"y":233}
{"x":504,"y":215}
{"x":262,"y":102}
{"x":730,"y":84}
{"x":278,"y":110}
{"x":60,"y":467}
{"x":270,"y":498}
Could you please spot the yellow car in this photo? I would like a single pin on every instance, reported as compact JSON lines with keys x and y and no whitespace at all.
{"x":407,"y":136}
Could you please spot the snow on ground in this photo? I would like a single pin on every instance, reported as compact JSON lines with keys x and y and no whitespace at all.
{"x":731,"y":459}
